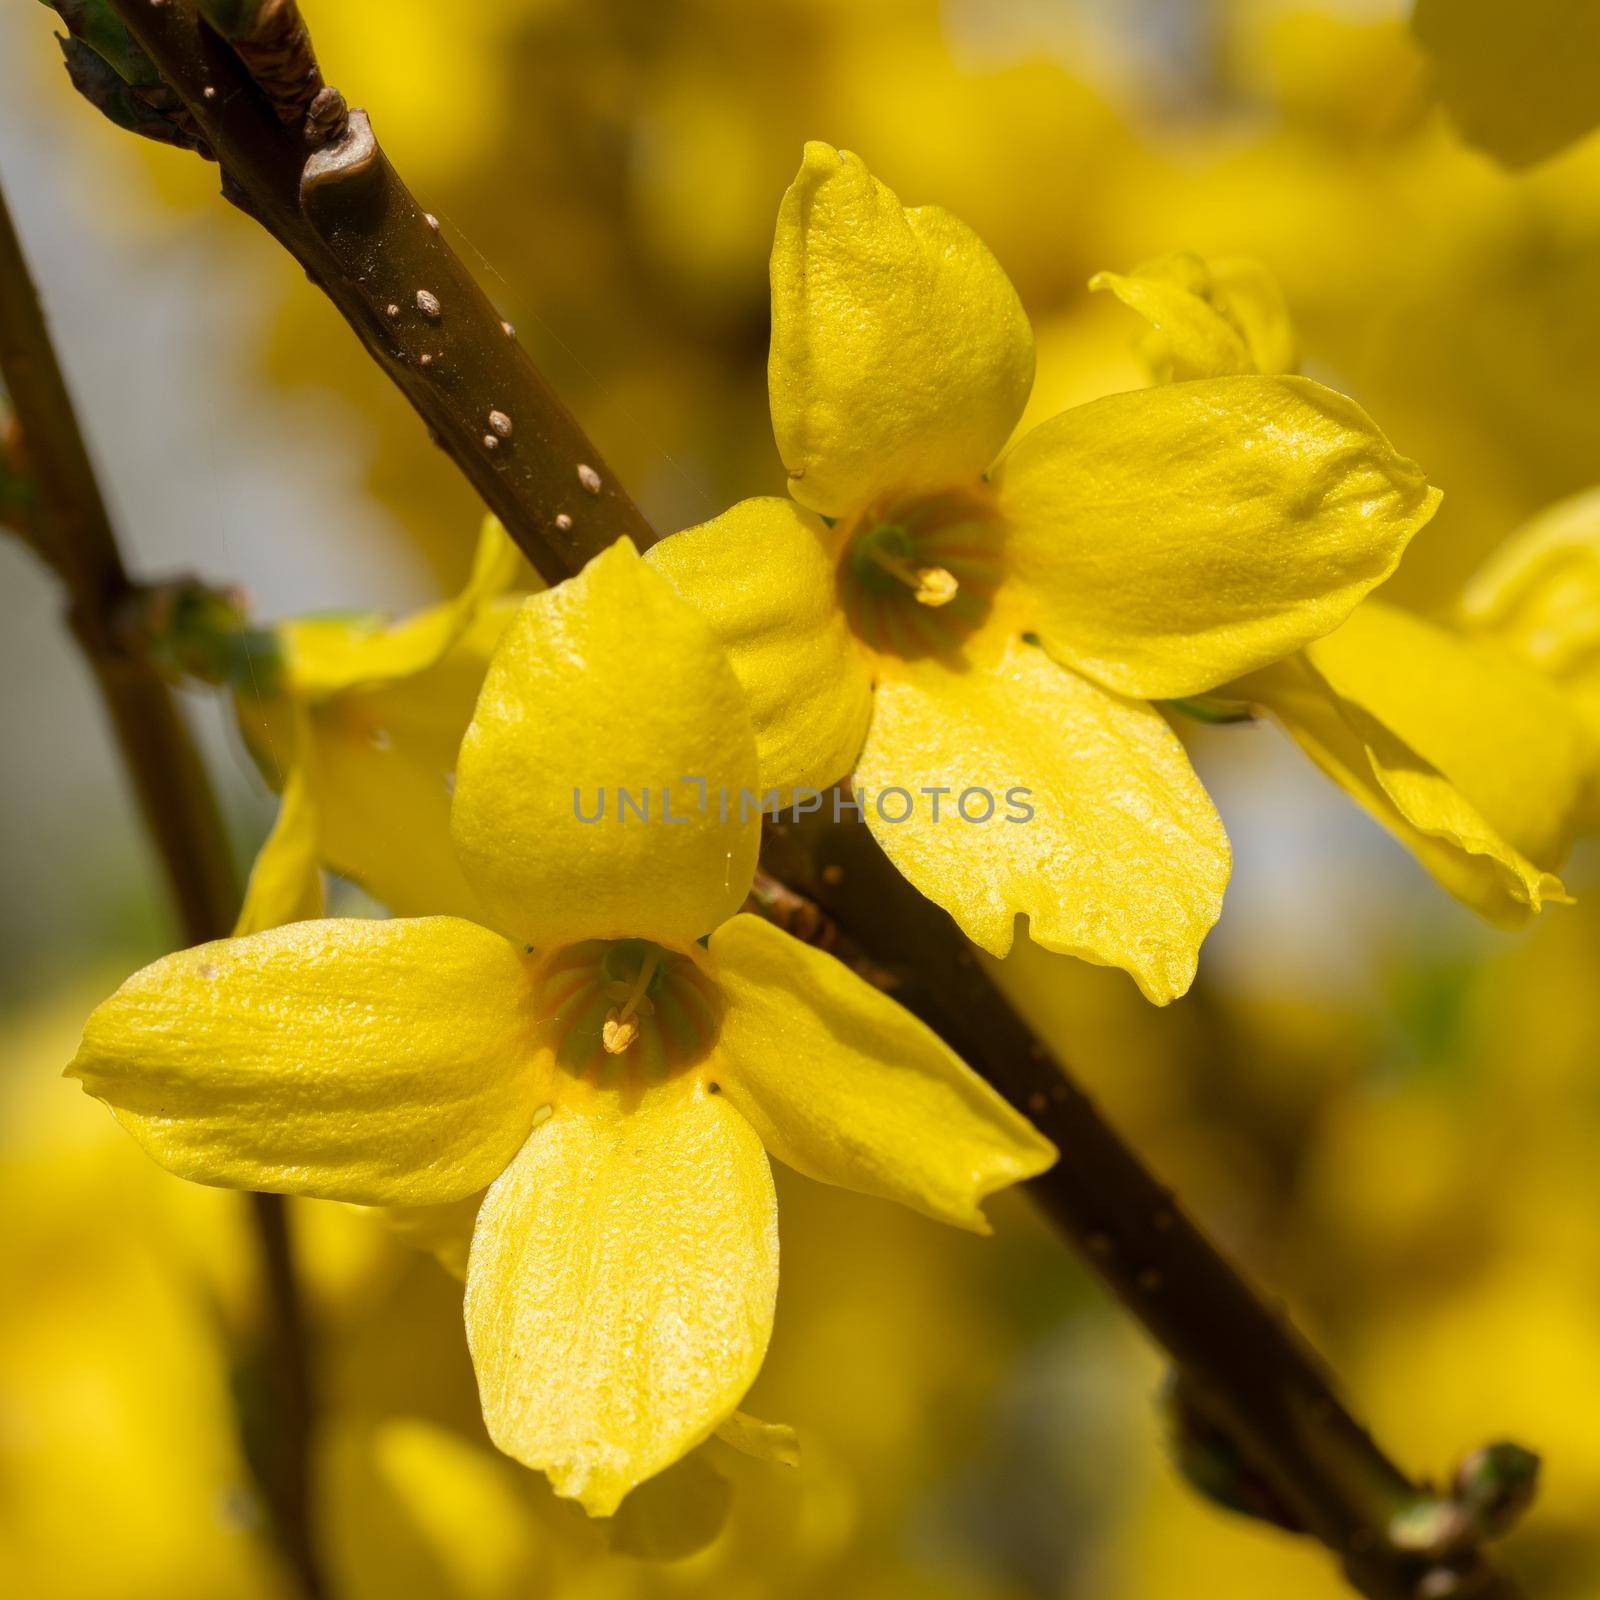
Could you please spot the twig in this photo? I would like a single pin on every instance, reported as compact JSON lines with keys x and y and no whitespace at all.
{"x":341,"y":210}
{"x":70,"y":527}
{"x":344,"y":213}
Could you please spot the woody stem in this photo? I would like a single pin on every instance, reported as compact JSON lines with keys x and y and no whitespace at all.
{"x":347,"y":217}
{"x":71,"y":528}
{"x":342,"y":211}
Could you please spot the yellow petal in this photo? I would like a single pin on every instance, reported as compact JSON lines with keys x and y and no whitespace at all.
{"x":1168,"y":540}
{"x":1500,"y":733}
{"x":1538,"y":597}
{"x":271,"y":724}
{"x":1208,"y":319}
{"x":286,"y":880}
{"x":765,"y":576}
{"x":901,"y":356}
{"x":1121,"y":858}
{"x":1417,"y":804}
{"x":381,"y":1062}
{"x":609,"y":682}
{"x":848,"y":1087}
{"x":621,"y":1286}
{"x":325,"y":655}
{"x":382,"y":760}
{"x":1520,"y":81}
{"x":773,"y":1442}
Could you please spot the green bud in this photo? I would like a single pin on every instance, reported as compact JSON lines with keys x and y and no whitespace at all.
{"x":1492,"y":1488}
{"x":1496,"y":1485}
{"x":1207,"y":1456}
{"x":192,"y":633}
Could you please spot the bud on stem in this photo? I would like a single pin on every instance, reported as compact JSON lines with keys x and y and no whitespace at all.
{"x":272,"y":40}
{"x":189,"y":632}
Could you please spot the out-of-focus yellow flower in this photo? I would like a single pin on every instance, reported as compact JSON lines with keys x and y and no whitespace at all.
{"x":1473,"y":762}
{"x":357,"y":722}
{"x":417,"y":1510}
{"x":1538,"y":598}
{"x":920,"y":622}
{"x":1520,"y":81}
{"x":610,"y":1080}
{"x":735,"y":90}
{"x":121,"y":1474}
{"x":1350,"y":75}
{"x":1208,"y":319}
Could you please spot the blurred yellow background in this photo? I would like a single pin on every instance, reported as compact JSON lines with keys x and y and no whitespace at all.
{"x":1388,"y":1111}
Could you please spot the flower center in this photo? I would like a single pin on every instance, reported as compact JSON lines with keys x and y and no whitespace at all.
{"x":918,"y":572}
{"x":627,"y":1008}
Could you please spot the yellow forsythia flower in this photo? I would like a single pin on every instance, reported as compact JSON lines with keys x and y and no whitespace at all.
{"x":1470,"y":759}
{"x":357,"y":725}
{"x":936,"y":629}
{"x":611,"y":1080}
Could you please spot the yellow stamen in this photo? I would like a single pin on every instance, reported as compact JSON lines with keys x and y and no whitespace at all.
{"x":621,"y":1026}
{"x":930,"y":586}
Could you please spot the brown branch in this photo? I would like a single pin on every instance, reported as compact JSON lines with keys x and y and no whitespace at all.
{"x":343,"y":213}
{"x":70,"y":527}
{"x":346,"y":216}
